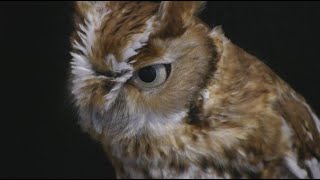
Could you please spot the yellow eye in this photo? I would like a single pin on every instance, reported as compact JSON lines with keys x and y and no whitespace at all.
{"x":152,"y":76}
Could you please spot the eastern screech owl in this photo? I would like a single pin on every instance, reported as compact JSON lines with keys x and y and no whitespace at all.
{"x":169,"y":98}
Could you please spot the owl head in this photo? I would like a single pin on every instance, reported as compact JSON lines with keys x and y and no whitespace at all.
{"x":138,"y":67}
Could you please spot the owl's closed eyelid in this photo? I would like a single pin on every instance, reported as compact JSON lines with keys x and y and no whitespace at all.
{"x":140,"y":64}
{"x":137,"y":68}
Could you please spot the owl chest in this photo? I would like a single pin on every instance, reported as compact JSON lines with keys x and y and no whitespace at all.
{"x":178,"y":165}
{"x":158,"y":165}
{"x":131,"y":169}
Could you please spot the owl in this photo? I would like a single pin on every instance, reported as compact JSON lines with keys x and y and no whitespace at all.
{"x":167,"y":96}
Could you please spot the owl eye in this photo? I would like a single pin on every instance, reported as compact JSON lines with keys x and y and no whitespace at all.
{"x":152,"y":76}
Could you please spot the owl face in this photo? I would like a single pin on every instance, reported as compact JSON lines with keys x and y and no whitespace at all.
{"x":137,"y":67}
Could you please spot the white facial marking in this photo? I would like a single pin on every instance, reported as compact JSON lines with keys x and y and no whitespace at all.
{"x":138,"y":41}
{"x":81,"y":68}
{"x":87,"y":32}
{"x":132,"y":49}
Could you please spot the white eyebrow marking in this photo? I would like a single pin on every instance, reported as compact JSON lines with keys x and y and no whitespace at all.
{"x":137,"y":42}
{"x":81,"y":67}
{"x":87,"y":32}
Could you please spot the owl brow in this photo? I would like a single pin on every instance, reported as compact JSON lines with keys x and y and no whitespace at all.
{"x":124,"y":66}
{"x":111,"y":74}
{"x":162,"y":60}
{"x":138,"y":41}
{"x":165,"y":60}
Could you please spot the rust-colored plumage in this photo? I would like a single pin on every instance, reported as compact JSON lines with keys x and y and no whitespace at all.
{"x":169,"y":98}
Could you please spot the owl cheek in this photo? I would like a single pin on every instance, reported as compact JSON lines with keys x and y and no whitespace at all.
{"x":93,"y":96}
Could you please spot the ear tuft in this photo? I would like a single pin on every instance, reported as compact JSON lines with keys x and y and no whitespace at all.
{"x":174,"y":16}
{"x":183,"y":9}
{"x":84,"y":7}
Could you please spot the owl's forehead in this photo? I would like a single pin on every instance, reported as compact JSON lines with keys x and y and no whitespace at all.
{"x":125,"y":20}
{"x":144,"y":32}
{"x":119,"y":29}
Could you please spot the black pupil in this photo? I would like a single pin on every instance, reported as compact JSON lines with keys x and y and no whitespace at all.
{"x":147,"y":74}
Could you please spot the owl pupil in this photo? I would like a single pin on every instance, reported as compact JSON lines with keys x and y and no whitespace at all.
{"x":147,"y":74}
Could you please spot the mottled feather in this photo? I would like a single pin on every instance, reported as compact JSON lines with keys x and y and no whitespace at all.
{"x":216,"y":112}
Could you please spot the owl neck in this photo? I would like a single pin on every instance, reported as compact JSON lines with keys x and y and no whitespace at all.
{"x":177,"y":149}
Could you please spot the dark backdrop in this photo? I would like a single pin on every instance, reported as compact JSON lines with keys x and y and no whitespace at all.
{"x":39,"y":134}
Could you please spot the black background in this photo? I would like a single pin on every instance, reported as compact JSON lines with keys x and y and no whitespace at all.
{"x":39,"y":134}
